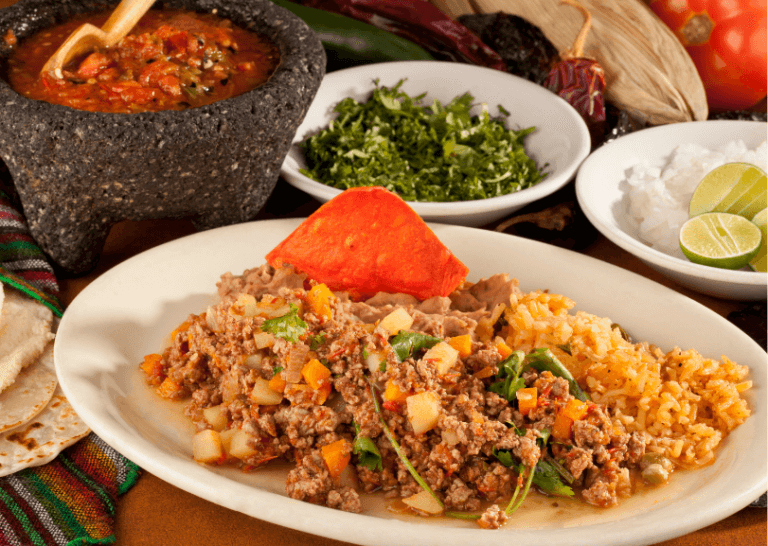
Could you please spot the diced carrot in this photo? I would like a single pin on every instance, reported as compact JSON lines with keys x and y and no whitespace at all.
{"x":393,"y":393}
{"x":319,"y":298}
{"x":152,"y":365}
{"x":337,"y":456}
{"x":463,"y":344}
{"x":277,"y":383}
{"x":488,"y":371}
{"x":561,"y":429}
{"x":169,"y":388}
{"x":183,"y":327}
{"x":324,"y":392}
{"x":315,"y":374}
{"x":503,"y":349}
{"x":526,"y":400}
{"x":575,"y":409}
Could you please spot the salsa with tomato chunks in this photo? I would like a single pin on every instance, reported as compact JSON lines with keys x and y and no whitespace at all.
{"x":171,"y":60}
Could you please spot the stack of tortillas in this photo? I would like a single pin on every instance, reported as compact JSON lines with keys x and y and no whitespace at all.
{"x":36,"y":420}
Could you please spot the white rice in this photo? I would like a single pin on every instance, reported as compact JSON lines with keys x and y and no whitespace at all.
{"x":658,"y":195}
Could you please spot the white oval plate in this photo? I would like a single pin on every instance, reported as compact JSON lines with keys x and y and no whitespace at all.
{"x":129,"y":310}
{"x":601,"y":188}
{"x":561,"y":139}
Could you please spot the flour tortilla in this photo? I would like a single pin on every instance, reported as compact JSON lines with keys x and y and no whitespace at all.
{"x":30,"y":393}
{"x":25,"y":331}
{"x":41,"y":439}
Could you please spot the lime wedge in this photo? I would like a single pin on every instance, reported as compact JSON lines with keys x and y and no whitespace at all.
{"x":720,"y":239}
{"x":738,"y":188}
{"x":758,"y":263}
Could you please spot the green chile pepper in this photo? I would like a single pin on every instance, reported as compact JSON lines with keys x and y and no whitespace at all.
{"x":349,"y":42}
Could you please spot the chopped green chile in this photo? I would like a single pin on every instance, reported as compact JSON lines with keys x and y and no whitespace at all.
{"x":431,"y":152}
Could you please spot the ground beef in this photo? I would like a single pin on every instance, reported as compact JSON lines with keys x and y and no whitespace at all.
{"x":215,"y":358}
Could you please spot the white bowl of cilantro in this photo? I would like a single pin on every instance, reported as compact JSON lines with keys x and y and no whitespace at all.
{"x":462,"y":144}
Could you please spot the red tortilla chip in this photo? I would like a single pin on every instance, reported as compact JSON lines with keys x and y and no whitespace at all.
{"x":368,"y":240}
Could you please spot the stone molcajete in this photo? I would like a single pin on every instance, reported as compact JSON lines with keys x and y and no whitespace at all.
{"x":77,"y":173}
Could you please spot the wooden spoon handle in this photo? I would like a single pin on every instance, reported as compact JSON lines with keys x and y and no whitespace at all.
{"x":124,"y":18}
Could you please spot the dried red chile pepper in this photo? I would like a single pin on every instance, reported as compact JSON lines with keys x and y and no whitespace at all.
{"x":422,"y":23}
{"x":581,"y":80}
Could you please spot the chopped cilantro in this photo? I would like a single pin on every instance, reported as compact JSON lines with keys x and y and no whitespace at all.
{"x":289,"y":326}
{"x":421,"y":152}
{"x":367,"y":452}
{"x":316,"y":340}
{"x":277,"y":371}
{"x":406,"y":343}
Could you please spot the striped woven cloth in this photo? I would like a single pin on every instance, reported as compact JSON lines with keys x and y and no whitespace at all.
{"x":72,"y":500}
{"x":22,"y":264}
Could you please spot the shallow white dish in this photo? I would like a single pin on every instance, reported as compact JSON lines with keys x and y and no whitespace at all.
{"x":561,"y":139}
{"x":600,"y":192}
{"x":128,"y":312}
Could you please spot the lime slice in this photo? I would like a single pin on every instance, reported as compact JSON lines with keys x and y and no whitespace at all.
{"x":758,"y":263}
{"x":738,"y":188}
{"x":720,"y":239}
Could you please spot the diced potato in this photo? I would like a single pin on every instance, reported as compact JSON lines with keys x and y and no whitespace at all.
{"x":271,"y":307}
{"x":240,"y":445}
{"x":263,"y":340}
{"x":397,"y":320}
{"x":319,"y":298}
{"x":392,"y":393}
{"x":226,"y":439}
{"x":423,"y":411}
{"x":315,"y":374}
{"x":210,"y":319}
{"x":262,"y":394}
{"x":463,"y":344}
{"x":424,"y":503}
{"x":450,"y":437}
{"x":253,"y":361}
{"x":374,"y":360}
{"x":206,"y":446}
{"x":337,"y":456}
{"x":442,"y":356}
{"x":244,"y":306}
{"x":216,"y":416}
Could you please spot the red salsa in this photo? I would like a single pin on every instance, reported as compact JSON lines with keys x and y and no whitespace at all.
{"x":171,"y":60}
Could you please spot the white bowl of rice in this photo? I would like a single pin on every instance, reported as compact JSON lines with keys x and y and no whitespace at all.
{"x":636,"y":189}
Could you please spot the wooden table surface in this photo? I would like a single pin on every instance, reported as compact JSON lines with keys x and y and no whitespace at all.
{"x":154,"y":512}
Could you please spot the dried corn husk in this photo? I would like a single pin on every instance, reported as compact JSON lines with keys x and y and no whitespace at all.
{"x":648,"y":73}
{"x":454,"y":8}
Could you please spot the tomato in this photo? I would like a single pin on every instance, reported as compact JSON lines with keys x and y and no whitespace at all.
{"x":727,"y":41}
